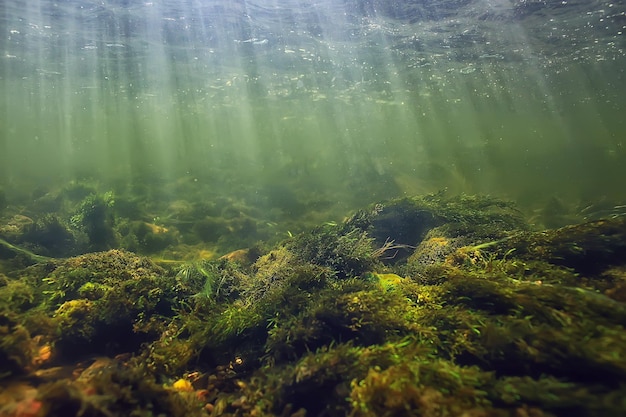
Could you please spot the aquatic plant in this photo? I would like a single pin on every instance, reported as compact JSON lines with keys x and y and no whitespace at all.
{"x":145,"y":238}
{"x":209,"y":281}
{"x":95,"y":218}
{"x":468,"y":324}
{"x":48,"y":236}
{"x":98,"y":301}
{"x":16,"y":346}
{"x":22,"y":257}
{"x":347,"y":250}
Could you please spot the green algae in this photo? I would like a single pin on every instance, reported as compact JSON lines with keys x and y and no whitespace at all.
{"x":482,"y":317}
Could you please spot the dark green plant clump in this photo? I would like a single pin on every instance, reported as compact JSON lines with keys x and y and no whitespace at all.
{"x":347,"y":250}
{"x":94,"y":217}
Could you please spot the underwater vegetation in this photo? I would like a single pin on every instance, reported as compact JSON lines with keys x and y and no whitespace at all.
{"x":433,"y":305}
{"x":83,"y":217}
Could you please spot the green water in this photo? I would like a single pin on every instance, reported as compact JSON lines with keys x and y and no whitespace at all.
{"x":316,"y":106}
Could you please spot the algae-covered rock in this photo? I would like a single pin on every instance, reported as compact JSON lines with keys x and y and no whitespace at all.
{"x":146,"y":238}
{"x":48,"y":236}
{"x":588,"y":247}
{"x":399,"y":226}
{"x":16,"y":346}
{"x":95,"y":217}
{"x":97,"y":302}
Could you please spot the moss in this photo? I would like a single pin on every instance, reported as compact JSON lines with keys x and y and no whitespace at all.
{"x":170,"y":354}
{"x":615,"y":287}
{"x":555,"y":395}
{"x":404,"y":223}
{"x":587,"y":248}
{"x":93,"y":290}
{"x":50,"y":237}
{"x":95,"y":217}
{"x":16,"y":346}
{"x":18,"y":296}
{"x":99,"y":301}
{"x":76,"y":320}
{"x":347,"y":250}
{"x":210,"y":229}
{"x":145,"y":238}
{"x":484,"y":318}
{"x":210,"y":281}
{"x":106,"y":388}
{"x":408,"y":389}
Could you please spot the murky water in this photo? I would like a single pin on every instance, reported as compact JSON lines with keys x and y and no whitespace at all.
{"x":300,"y":105}
{"x":205,"y":135}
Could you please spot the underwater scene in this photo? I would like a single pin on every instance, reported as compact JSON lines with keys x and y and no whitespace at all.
{"x":317,"y":208}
